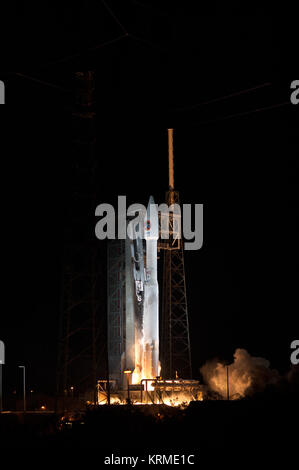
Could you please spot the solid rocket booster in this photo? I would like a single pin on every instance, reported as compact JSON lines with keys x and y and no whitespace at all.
{"x":151,"y":294}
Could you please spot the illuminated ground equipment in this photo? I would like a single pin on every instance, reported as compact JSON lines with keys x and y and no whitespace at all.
{"x":176,"y":392}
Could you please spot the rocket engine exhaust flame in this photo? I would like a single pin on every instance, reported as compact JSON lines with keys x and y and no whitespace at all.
{"x":246,"y":375}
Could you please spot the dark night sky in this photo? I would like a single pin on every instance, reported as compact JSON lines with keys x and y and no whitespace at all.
{"x":242,"y":286}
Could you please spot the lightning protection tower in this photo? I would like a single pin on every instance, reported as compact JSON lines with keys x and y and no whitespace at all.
{"x":175,"y":340}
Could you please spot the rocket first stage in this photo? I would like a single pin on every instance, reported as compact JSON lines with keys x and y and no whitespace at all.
{"x":133,"y":301}
{"x":151,"y":294}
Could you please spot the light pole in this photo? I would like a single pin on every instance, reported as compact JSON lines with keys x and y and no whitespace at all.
{"x":31,"y":399}
{"x":24,"y":386}
{"x":128,"y":372}
{"x":2,"y":361}
{"x":1,"y":399}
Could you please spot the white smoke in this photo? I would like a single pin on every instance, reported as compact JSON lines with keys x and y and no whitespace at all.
{"x":247,"y":375}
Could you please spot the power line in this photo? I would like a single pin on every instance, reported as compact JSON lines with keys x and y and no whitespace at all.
{"x":106,"y":43}
{"x":109,"y":9}
{"x":222,"y":98}
{"x":132,"y":36}
{"x":257,"y":110}
{"x":93,"y":48}
{"x":42,"y":82}
{"x":90,"y":49}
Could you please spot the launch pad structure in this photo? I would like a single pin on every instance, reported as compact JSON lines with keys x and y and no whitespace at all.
{"x":133,"y":312}
{"x":134,"y":343}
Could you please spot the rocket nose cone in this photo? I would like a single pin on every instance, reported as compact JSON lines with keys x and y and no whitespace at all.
{"x":151,"y":200}
{"x":152,"y":211}
{"x":151,"y":207}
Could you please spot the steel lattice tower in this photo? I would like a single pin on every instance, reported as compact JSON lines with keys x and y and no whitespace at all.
{"x":81,"y":344}
{"x":175,"y":351}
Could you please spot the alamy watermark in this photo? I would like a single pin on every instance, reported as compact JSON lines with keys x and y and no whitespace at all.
{"x":295,"y":354}
{"x":2,"y":353}
{"x":2,"y":93}
{"x":172,"y":222}
{"x":294,"y":97}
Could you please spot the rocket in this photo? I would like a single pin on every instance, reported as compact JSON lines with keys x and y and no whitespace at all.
{"x":151,"y":294}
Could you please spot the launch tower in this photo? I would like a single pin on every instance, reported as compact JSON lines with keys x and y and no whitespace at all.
{"x":175,"y":339}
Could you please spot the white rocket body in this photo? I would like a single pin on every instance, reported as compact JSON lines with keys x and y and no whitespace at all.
{"x":151,"y":294}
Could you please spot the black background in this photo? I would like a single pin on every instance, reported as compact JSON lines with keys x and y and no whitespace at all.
{"x":242,"y":285}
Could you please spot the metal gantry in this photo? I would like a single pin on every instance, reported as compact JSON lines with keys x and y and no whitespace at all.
{"x":175,"y":338}
{"x":81,"y":343}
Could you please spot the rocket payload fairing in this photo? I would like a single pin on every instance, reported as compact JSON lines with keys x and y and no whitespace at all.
{"x":151,"y":294}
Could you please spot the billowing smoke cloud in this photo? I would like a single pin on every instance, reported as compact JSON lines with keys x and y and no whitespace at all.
{"x":247,"y":375}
